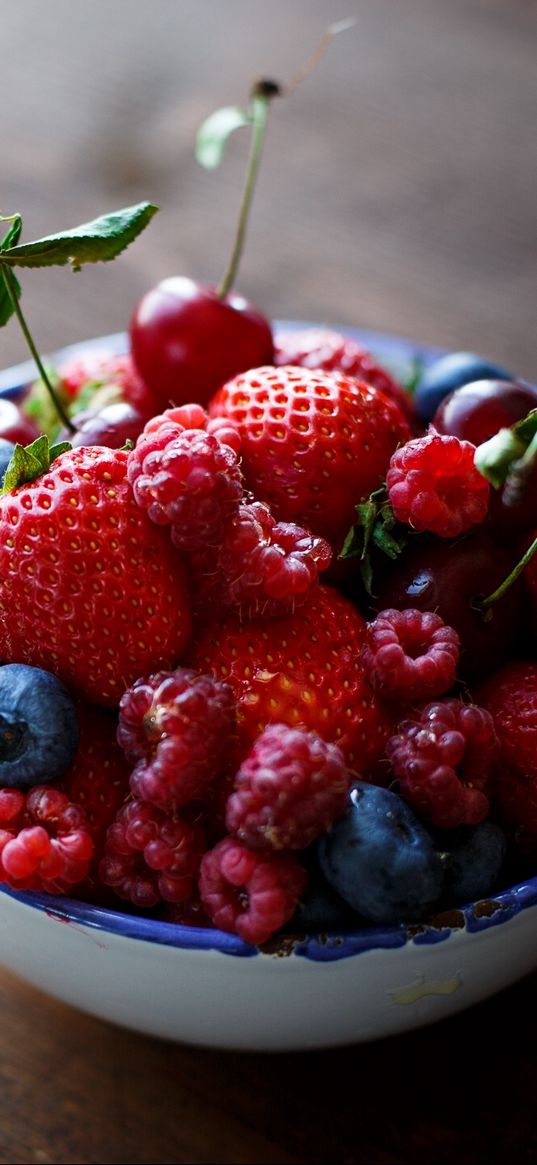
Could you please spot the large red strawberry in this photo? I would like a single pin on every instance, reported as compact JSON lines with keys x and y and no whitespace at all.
{"x":313,"y":444}
{"x":330,"y":351}
{"x":511,"y":696}
{"x":303,"y":670}
{"x":90,"y":588}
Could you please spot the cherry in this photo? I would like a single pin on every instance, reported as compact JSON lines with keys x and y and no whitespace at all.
{"x":449,"y":372}
{"x":476,"y":411}
{"x":187,"y":341}
{"x":14,"y":426}
{"x":448,"y":577}
{"x":112,"y":426}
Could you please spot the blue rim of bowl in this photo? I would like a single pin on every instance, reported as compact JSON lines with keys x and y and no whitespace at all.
{"x":474,"y":917}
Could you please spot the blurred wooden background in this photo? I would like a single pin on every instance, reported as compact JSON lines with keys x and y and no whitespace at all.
{"x":398,"y":192}
{"x":398,"y":183}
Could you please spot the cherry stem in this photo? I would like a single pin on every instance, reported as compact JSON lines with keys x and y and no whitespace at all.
{"x":500,"y":591}
{"x":11,"y":290}
{"x":262,"y":94}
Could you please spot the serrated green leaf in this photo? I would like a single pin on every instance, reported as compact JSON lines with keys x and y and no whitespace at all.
{"x":13,"y":235}
{"x":92,"y":242}
{"x":10,"y":239}
{"x":30,"y":461}
{"x":213,"y":134}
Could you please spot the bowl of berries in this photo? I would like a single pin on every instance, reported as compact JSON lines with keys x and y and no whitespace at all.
{"x":268,"y":664}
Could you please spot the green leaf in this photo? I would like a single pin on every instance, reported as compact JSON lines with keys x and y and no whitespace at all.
{"x":10,"y":239}
{"x":213,"y":134}
{"x":93,"y":242}
{"x":30,"y":461}
{"x":376,"y":527}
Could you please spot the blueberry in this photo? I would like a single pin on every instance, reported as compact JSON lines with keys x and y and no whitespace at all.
{"x":38,"y":726}
{"x":6,"y":453}
{"x":321,"y":909}
{"x":380,"y":859}
{"x":451,"y":372}
{"x":472,"y":857}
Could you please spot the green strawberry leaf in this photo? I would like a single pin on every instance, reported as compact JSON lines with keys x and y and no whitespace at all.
{"x":213,"y":134}
{"x":30,"y":461}
{"x":10,"y":239}
{"x":376,"y":527}
{"x":93,"y":242}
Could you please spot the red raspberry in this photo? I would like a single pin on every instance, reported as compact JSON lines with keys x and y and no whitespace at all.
{"x":193,"y":416}
{"x":263,"y":567}
{"x":445,"y":761}
{"x":151,"y":856}
{"x":188,"y":480}
{"x":322,"y":348}
{"x":178,"y":726}
{"x":434,"y":485}
{"x":411,"y":655}
{"x":44,"y":841}
{"x":247,"y":893}
{"x":511,"y":697}
{"x":290,"y":788}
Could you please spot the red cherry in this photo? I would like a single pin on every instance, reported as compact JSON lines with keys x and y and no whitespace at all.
{"x":447,"y":577}
{"x":476,"y":411}
{"x":112,"y":426}
{"x":186,"y":341}
{"x":14,"y":426}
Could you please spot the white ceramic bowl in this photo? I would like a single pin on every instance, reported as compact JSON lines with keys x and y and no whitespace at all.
{"x":209,"y":988}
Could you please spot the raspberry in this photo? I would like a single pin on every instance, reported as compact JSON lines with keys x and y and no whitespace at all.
{"x":44,"y":842}
{"x":291,"y":787}
{"x":434,"y":485}
{"x":510,"y":695}
{"x":263,"y":567}
{"x":445,"y":762}
{"x":410,"y":655}
{"x":177,"y":726}
{"x":247,"y":893}
{"x":186,"y":479}
{"x":151,"y":856}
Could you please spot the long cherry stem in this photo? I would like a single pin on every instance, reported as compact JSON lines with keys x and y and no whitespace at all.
{"x":500,"y":591}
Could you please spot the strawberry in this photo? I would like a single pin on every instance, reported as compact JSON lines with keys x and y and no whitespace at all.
{"x":313,"y":444}
{"x":90,"y":589}
{"x":511,"y":696}
{"x":101,"y":368}
{"x":329,"y":351}
{"x":303,"y":670}
{"x":98,"y":778}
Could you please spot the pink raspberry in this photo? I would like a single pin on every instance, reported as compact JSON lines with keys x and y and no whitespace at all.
{"x":445,"y":761}
{"x":44,"y":841}
{"x":434,"y":485}
{"x":247,"y":893}
{"x":410,"y":655}
{"x":151,"y":856}
{"x":178,"y":727}
{"x":186,"y":479}
{"x":263,"y":567}
{"x":288,"y":790}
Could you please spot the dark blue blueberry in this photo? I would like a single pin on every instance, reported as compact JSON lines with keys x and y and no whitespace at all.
{"x":451,"y":372}
{"x":6,"y":453}
{"x":380,"y":858}
{"x":472,"y":857}
{"x":322,"y":910}
{"x":38,"y":726}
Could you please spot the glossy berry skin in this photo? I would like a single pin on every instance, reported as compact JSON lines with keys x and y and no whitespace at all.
{"x":186,"y":341}
{"x":38,"y":726}
{"x":14,"y":426}
{"x":381,"y":859}
{"x":313,"y":444}
{"x":472,"y":858}
{"x":446,"y":577}
{"x":447,"y":374}
{"x":112,"y":426}
{"x":90,"y":589}
{"x":476,"y":411}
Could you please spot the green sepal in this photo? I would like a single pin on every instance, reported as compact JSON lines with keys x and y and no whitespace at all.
{"x":29,"y":461}
{"x":376,"y":527}
{"x":509,"y":451}
{"x":93,"y":242}
{"x":10,"y":239}
{"x":214,"y":132}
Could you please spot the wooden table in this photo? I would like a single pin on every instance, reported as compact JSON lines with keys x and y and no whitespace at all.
{"x":397,"y":192}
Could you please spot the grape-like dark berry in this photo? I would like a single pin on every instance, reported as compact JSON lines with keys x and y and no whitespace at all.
{"x":472,"y":858}
{"x":449,"y":373}
{"x":478,"y":410}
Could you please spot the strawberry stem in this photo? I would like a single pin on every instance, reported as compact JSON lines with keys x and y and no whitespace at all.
{"x":500,"y":591}
{"x":262,"y":94}
{"x":9,"y":282}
